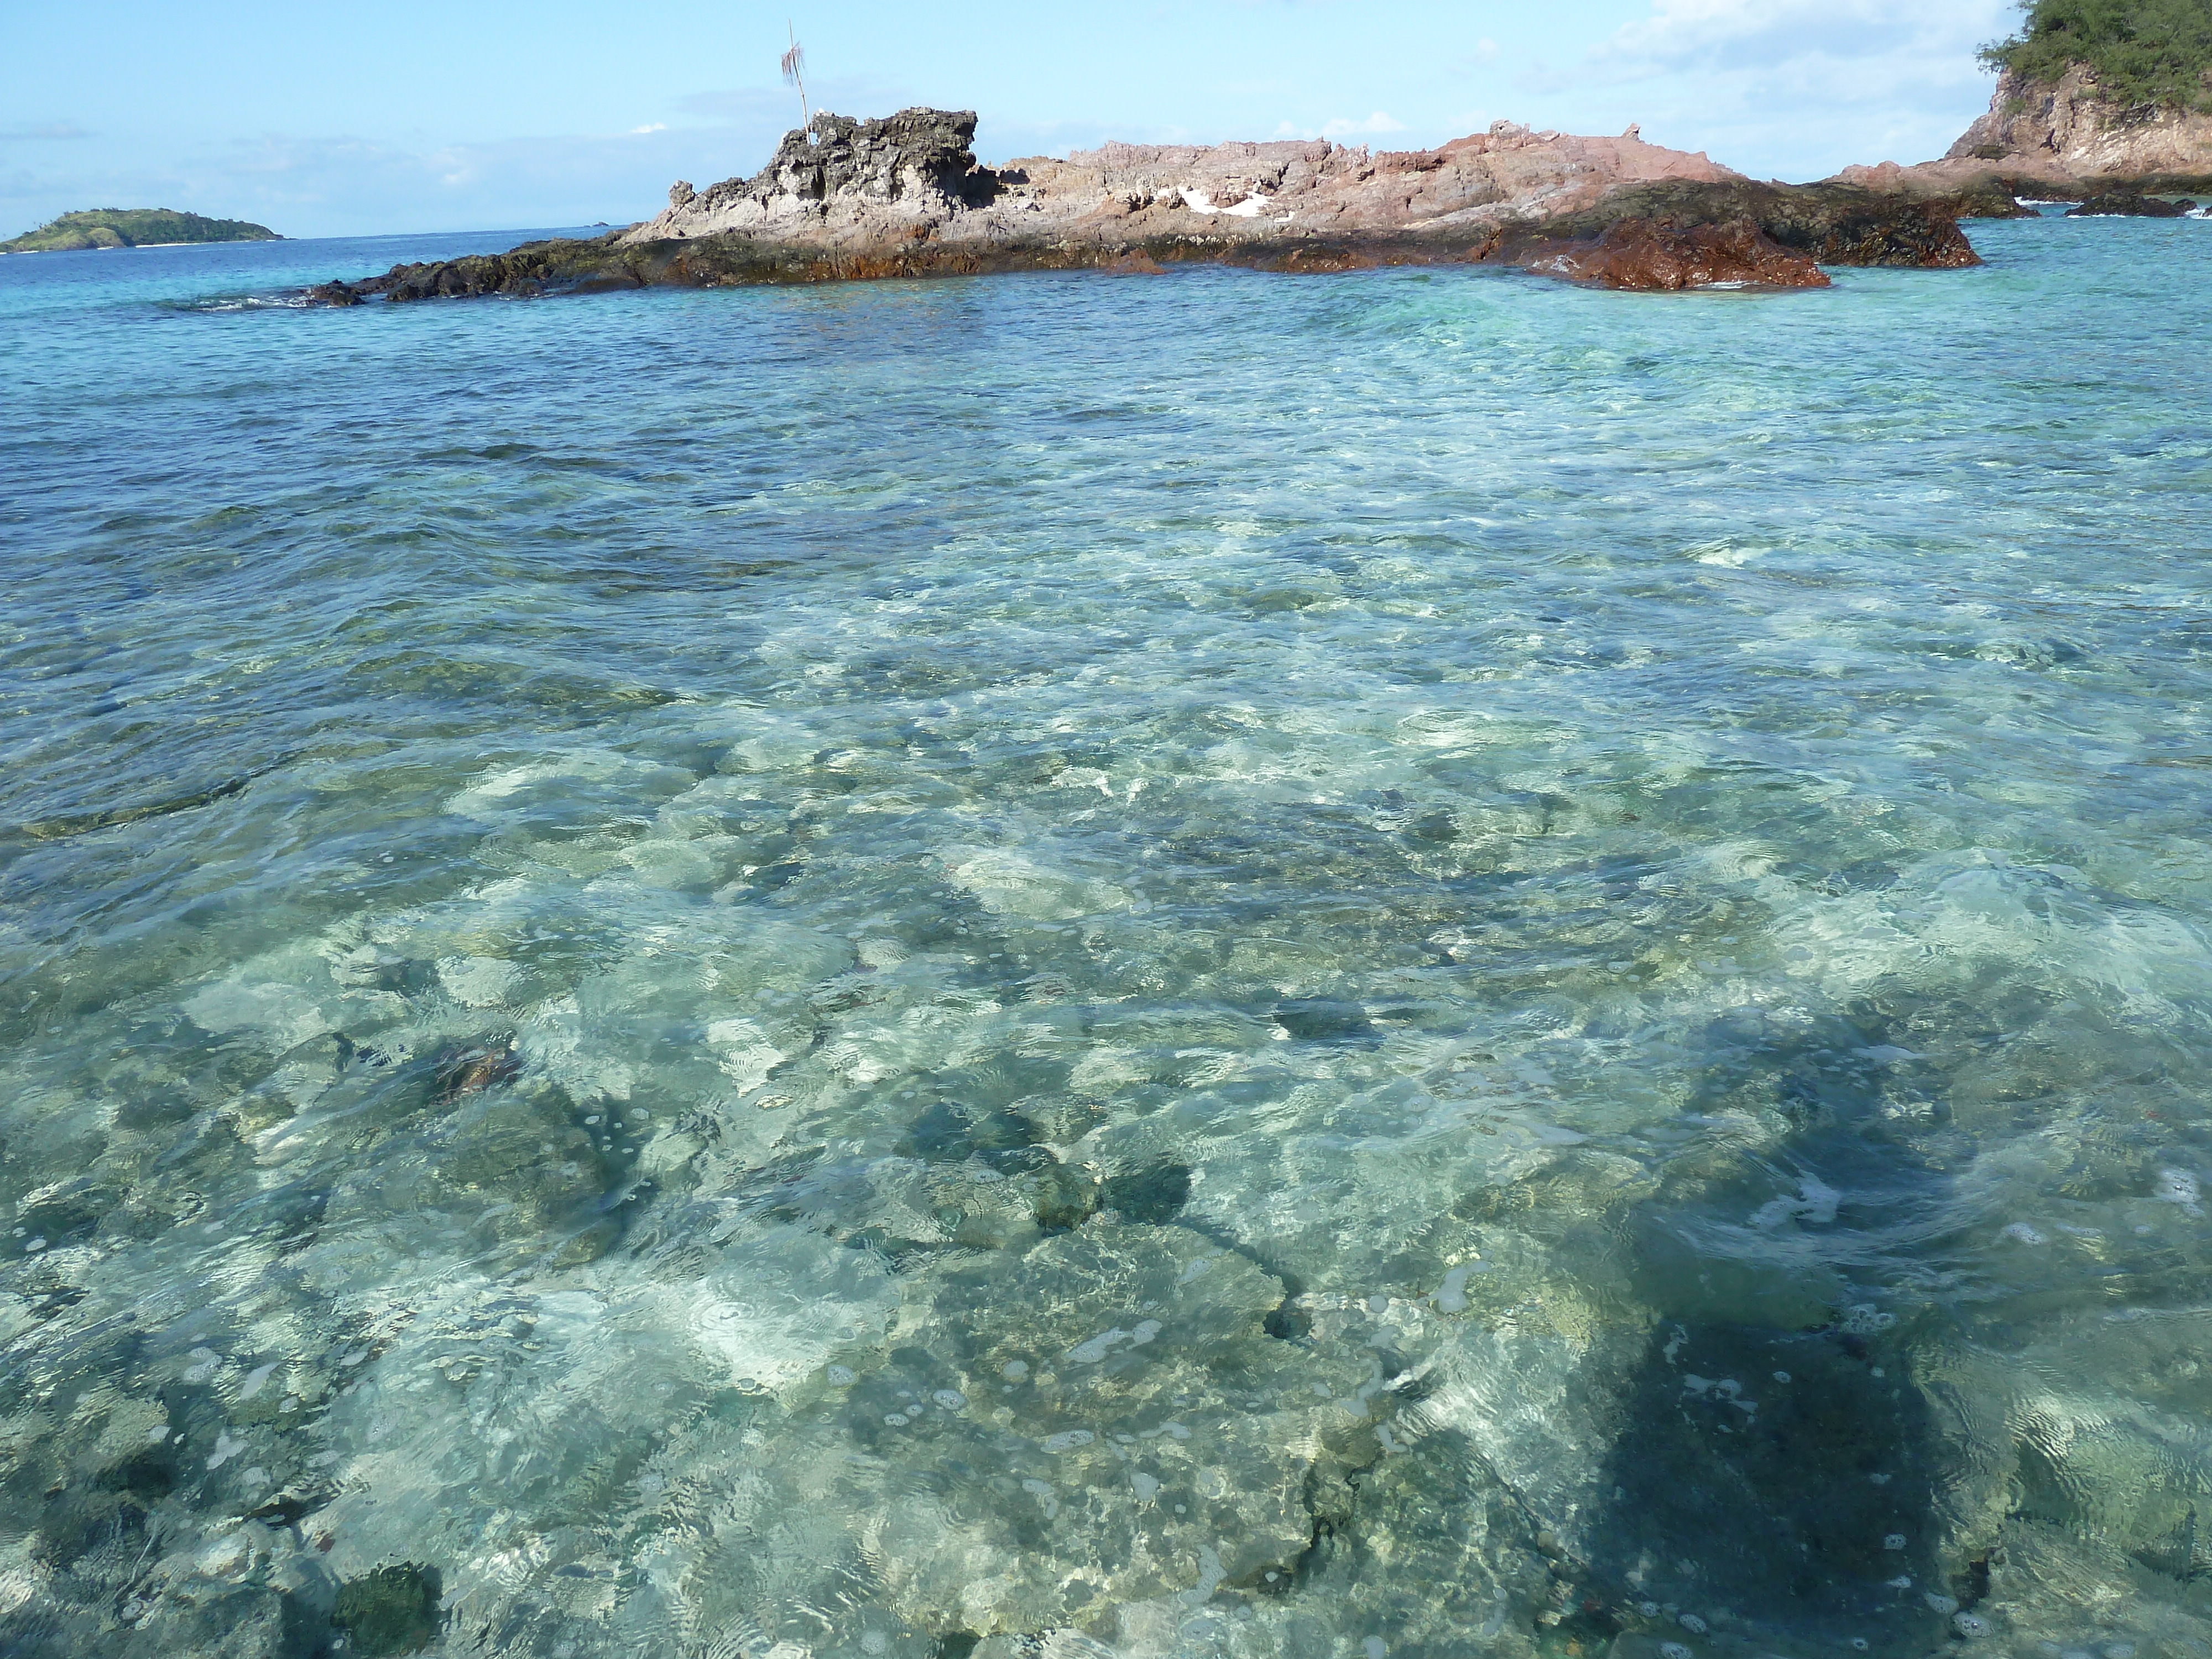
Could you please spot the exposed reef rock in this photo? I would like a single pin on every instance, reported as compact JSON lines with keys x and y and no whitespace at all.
{"x":905,"y":196}
{"x":1832,"y":224}
{"x":2126,"y":204}
{"x":1652,"y":255}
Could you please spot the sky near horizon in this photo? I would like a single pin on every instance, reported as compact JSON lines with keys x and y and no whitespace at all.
{"x":322,"y":121}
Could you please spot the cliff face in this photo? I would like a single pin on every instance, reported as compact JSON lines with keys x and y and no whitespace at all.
{"x":2066,"y":130}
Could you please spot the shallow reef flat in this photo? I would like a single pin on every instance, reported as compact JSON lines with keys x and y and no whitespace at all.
{"x":1405,"y":965}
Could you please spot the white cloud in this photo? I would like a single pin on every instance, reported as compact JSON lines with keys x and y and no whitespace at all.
{"x":1770,"y":35}
{"x":320,"y":187}
{"x":321,"y":184}
{"x":1807,"y":85}
{"x":1381,"y":121}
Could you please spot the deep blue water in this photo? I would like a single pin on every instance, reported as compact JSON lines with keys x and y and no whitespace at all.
{"x":1415,"y":963}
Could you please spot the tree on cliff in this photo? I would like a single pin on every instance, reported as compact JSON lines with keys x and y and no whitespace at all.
{"x":2140,"y":52}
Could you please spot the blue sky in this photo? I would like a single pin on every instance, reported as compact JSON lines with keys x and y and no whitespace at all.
{"x":324,"y":120}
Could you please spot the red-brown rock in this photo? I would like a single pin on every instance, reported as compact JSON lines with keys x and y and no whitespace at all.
{"x":1661,"y":256}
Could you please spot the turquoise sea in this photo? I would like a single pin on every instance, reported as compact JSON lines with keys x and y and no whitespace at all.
{"x":1411,"y":964}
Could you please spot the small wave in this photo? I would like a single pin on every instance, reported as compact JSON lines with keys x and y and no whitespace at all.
{"x":220,"y":304}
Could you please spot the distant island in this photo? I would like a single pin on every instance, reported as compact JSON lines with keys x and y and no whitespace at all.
{"x":133,"y":228}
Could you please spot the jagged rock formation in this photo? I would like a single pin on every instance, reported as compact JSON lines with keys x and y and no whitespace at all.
{"x":844,"y":183}
{"x":2069,"y":130}
{"x":905,"y":196}
{"x":2057,"y":140}
{"x":841,"y":180}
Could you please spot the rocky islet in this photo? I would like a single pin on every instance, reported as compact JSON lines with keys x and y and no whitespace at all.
{"x":906,"y":197}
{"x":120,"y":228}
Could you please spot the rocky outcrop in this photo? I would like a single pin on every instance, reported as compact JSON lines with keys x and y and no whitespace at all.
{"x":905,"y":196}
{"x":1963,"y":191}
{"x":841,"y":180}
{"x":1833,"y":224}
{"x":2067,"y":130}
{"x":2059,"y":140}
{"x":1659,"y":255}
{"x":2128,"y":205}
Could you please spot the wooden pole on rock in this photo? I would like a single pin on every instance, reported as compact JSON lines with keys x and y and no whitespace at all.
{"x":794,"y":75}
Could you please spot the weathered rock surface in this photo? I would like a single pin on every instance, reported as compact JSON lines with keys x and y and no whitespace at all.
{"x":2127,"y":205}
{"x":905,"y":196}
{"x":842,"y":180}
{"x":2068,"y":128}
{"x":1660,"y":255}
{"x":2056,"y":140}
{"x":1836,"y":224}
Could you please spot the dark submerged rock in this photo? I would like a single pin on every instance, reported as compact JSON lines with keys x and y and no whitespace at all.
{"x":1151,"y":1196}
{"x":393,"y":1610}
{"x":1065,"y":1198}
{"x":469,"y":1067}
{"x":950,"y":1132}
{"x":1324,"y":1019}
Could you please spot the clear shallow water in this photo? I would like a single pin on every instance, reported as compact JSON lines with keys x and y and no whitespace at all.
{"x":1415,"y":964}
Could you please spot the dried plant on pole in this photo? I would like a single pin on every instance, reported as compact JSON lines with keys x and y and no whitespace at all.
{"x":794,"y":75}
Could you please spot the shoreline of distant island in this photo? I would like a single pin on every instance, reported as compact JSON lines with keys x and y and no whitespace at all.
{"x":95,"y":229}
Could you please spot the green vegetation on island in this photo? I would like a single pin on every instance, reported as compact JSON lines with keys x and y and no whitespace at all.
{"x":133,"y":228}
{"x":2141,"y":52}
